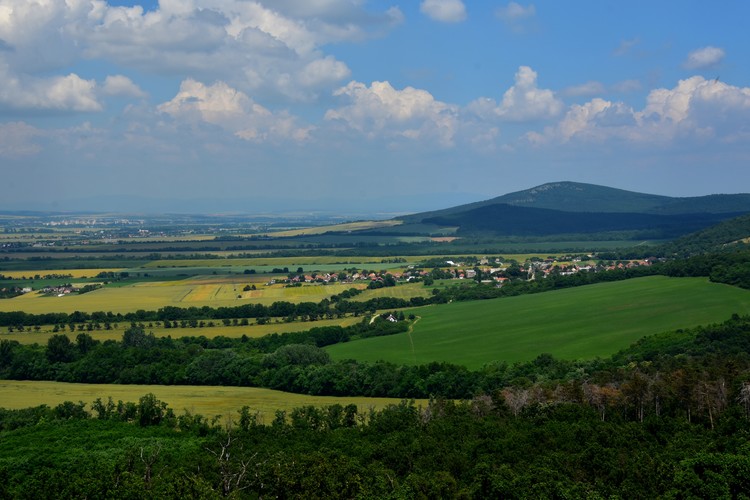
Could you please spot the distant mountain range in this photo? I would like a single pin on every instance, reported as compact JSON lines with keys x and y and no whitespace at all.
{"x":577,"y":208}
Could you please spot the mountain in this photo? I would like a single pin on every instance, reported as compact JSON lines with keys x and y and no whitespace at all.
{"x":577,"y":208}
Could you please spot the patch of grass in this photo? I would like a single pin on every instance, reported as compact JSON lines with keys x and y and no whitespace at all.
{"x":576,"y":323}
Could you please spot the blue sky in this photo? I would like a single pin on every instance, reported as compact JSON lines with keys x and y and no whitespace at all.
{"x":350,"y":105}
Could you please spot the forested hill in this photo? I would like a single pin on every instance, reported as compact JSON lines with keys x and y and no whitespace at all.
{"x":580,"y":197}
{"x":502,"y":219}
{"x":727,"y":235}
{"x":577,"y":208}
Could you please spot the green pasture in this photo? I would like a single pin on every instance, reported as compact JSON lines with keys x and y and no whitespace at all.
{"x":252,"y":330}
{"x":575,"y":323}
{"x":208,"y":401}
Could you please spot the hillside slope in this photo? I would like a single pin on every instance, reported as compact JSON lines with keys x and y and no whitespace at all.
{"x":578,"y":208}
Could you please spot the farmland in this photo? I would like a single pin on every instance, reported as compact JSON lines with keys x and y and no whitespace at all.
{"x":584,"y":322}
{"x":196,"y":292}
{"x":251,"y":331}
{"x":205,"y":400}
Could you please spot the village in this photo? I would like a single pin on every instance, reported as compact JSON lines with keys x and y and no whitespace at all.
{"x":482,"y":271}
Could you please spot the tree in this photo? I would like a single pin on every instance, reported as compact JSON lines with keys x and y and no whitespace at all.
{"x":135,"y":336}
{"x":151,"y":411}
{"x":60,"y":349}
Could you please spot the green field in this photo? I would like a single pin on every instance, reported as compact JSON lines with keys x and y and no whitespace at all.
{"x":208,"y":401}
{"x":403,"y":291}
{"x":576,"y":323}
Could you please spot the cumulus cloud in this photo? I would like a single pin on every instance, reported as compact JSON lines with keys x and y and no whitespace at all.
{"x":705,"y":57}
{"x":523,"y":102}
{"x":232,"y":110}
{"x":267,"y":47}
{"x":69,"y":93}
{"x":446,"y":11}
{"x":695,"y":108}
{"x":381,"y":110}
{"x":119,"y":85}
{"x":323,"y":72}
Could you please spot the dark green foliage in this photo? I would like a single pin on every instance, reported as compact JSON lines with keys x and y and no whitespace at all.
{"x":506,"y":220}
{"x":574,"y":208}
{"x":471,"y":449}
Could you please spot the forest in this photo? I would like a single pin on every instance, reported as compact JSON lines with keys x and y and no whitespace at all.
{"x":667,"y":418}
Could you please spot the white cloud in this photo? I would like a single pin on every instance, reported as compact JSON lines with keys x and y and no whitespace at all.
{"x":268,"y":47}
{"x":323,"y":72}
{"x":68,"y":93}
{"x":119,"y":85}
{"x":514,"y":12}
{"x":695,"y":109}
{"x":232,"y":110}
{"x":446,"y":11}
{"x":381,"y":110}
{"x":523,"y":102}
{"x":705,"y":57}
{"x":515,"y":16}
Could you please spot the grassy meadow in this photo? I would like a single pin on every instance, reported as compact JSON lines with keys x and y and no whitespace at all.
{"x":575,"y":323}
{"x":209,"y":401}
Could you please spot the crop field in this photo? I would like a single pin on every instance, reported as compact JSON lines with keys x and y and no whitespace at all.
{"x":154,"y":295}
{"x":252,"y":330}
{"x":405,"y":291}
{"x":208,"y":401}
{"x":75,"y":273}
{"x":576,"y":323}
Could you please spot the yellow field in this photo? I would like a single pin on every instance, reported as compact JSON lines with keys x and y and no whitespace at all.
{"x":208,"y":401}
{"x":252,"y":330}
{"x":76,"y":273}
{"x":152,"y":296}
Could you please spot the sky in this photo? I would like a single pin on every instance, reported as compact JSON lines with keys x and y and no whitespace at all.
{"x":356,"y":105}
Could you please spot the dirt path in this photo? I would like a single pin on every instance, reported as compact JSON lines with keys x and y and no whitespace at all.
{"x":411,"y":341}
